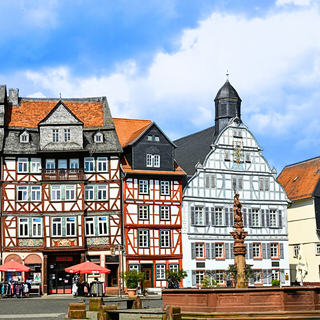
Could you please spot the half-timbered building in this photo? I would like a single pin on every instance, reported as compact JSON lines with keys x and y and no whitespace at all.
{"x":152,"y":189}
{"x":61,"y":190}
{"x":220,"y":161}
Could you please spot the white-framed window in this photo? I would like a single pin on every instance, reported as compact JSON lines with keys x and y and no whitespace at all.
{"x":256,"y":250}
{"x":23,"y":165}
{"x":198,"y":216}
{"x":273,"y":218}
{"x":134,"y":267}
{"x":35,"y":193}
{"x":89,"y":226}
{"x":264,"y":184}
{"x":164,"y":212}
{"x":199,"y":250}
{"x":257,"y":277}
{"x":219,"y":252}
{"x":89,"y":193}
{"x":74,"y":163}
{"x":102,"y":164}
{"x":98,"y":137}
{"x":70,"y":226}
{"x":220,"y":276}
{"x":24,"y":137}
{"x":35,"y":165}
{"x":102,"y":192}
{"x":153,"y":160}
{"x":165,"y":238}
{"x":218,"y":220}
{"x":89,"y":164}
{"x":143,"y":238}
{"x":226,"y":155}
{"x":317,"y":248}
{"x":23,"y":227}
{"x":274,"y":250}
{"x":36,"y":227}
{"x":50,"y":164}
{"x":275,"y":275}
{"x":296,"y":250}
{"x":174,"y":267}
{"x":22,"y":193}
{"x":143,"y":212}
{"x":150,"y":138}
{"x":199,"y":276}
{"x":160,"y":272}
{"x":55,"y":135}
{"x":248,"y":157}
{"x":56,"y":227}
{"x":143,"y":186}
{"x":165,"y":188}
{"x":103,"y":226}
{"x":67,"y":135}
{"x":156,"y":138}
{"x":255,"y":218}
{"x":70,"y":192}
{"x":210,"y":180}
{"x":55,"y":193}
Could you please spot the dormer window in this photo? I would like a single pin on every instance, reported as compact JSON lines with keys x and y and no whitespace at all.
{"x":98,"y":137}
{"x":156,"y":138}
{"x":149,"y":138}
{"x":55,"y":135}
{"x":153,"y":160}
{"x":24,"y":137}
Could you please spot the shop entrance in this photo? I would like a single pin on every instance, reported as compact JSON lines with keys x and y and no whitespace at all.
{"x":59,"y":281}
{"x":148,"y":276}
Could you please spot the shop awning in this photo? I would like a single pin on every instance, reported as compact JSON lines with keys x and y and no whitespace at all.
{"x":13,"y":266}
{"x":88,"y":268}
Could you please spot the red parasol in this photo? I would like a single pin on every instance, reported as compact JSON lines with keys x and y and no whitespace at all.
{"x":87,"y":267}
{"x":13,"y":266}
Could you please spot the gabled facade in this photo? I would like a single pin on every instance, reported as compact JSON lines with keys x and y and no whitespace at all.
{"x":302,"y":184}
{"x":152,"y":188}
{"x":61,"y":190}
{"x":221,"y":161}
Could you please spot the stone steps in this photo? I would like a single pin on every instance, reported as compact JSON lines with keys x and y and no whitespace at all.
{"x":274,"y":315}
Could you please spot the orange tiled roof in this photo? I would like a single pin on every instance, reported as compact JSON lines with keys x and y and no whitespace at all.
{"x":129,"y":129}
{"x":30,"y":113}
{"x":127,"y":168}
{"x":300,"y":180}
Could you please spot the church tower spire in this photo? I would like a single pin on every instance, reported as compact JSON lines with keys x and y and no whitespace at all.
{"x":227,"y":105}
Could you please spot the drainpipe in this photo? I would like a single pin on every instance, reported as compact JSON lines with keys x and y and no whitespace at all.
{"x":122,"y":176}
{"x":1,"y":233}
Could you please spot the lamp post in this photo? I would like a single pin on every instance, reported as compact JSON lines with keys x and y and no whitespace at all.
{"x":121,"y":249}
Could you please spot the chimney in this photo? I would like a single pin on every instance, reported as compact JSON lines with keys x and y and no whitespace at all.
{"x":14,"y":97}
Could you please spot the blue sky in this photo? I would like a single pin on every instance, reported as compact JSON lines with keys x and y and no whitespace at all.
{"x":166,"y":60}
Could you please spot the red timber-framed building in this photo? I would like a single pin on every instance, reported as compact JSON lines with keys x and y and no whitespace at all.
{"x":152,"y":191}
{"x":61,"y":187}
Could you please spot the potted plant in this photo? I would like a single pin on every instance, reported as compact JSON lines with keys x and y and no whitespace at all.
{"x":174,"y":278}
{"x":132,"y":279}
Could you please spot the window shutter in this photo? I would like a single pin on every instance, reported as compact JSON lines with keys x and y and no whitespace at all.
{"x":207,"y":250}
{"x":207,"y":216}
{"x":282,"y":276}
{"x":250,"y":218}
{"x":193,"y":278}
{"x":250,"y":250}
{"x":240,"y":183}
{"x":262,"y":218}
{"x":266,"y":184}
{"x":212,"y":216}
{"x":267,"y":218}
{"x":213,"y":250}
{"x":234,"y":183}
{"x":207,"y":179}
{"x":231,"y":221}
{"x":231,"y":250}
{"x":261,"y":184}
{"x":269,"y":279}
{"x":281,"y":251}
{"x":192,"y":216}
{"x":268,"y":251}
{"x":245,"y":217}
{"x":246,"y":250}
{"x":280,"y":218}
{"x":226,"y":211}
{"x":264,"y":276}
{"x":193,"y":251}
{"x":264,"y":251}
{"x":227,"y":255}
{"x":213,"y":181}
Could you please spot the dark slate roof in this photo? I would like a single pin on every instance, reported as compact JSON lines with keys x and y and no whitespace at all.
{"x":3,"y":92}
{"x":193,"y":149}
{"x":227,"y":91}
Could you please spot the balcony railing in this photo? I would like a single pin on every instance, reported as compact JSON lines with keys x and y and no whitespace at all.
{"x":62,"y":174}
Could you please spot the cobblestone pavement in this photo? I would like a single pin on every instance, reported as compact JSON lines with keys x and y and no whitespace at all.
{"x":56,"y":306}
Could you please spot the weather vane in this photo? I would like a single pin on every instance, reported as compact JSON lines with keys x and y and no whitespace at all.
{"x":227,"y":75}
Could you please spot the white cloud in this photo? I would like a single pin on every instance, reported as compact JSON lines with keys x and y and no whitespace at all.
{"x":270,"y":60}
{"x":36,"y":95}
{"x":295,"y":2}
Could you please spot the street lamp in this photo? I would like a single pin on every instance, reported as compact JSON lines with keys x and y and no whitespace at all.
{"x":121,"y":252}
